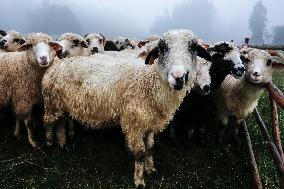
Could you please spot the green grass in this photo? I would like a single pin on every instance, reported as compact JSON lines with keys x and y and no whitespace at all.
{"x":99,"y":160}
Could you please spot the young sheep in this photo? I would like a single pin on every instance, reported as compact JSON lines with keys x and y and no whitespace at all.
{"x":95,"y":42}
{"x":101,"y":88}
{"x":21,"y":75}
{"x":236,"y":99}
{"x":197,"y":110}
{"x":10,"y":41}
{"x":72,"y":45}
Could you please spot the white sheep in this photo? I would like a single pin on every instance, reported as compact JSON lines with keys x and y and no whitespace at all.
{"x":21,"y":75}
{"x":10,"y":41}
{"x":95,"y":42}
{"x":72,"y":45}
{"x":237,"y":98}
{"x":101,"y":88}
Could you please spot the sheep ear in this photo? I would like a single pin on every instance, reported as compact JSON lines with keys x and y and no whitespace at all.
{"x":84,"y":44}
{"x":152,"y":55}
{"x":55,"y":46}
{"x":277,"y":66}
{"x":3,"y":33}
{"x":201,"y":52}
{"x":25,"y":47}
{"x":244,"y":58}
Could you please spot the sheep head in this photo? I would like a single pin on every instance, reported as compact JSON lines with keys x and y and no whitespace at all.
{"x":40,"y":49}
{"x":177,"y":53}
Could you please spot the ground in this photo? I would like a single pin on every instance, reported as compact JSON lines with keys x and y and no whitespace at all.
{"x":99,"y":160}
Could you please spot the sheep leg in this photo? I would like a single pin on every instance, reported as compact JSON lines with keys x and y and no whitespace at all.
{"x":149,"y":163}
{"x":61,"y":133}
{"x":17,"y":134}
{"x":236,"y":125}
{"x":136,"y":144}
{"x":28,"y":123}
{"x":71,"y":129}
{"x":49,"y":135}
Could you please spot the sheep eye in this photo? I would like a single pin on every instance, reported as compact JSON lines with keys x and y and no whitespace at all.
{"x":16,"y":40}
{"x":100,"y":41}
{"x":268,"y":63}
{"x":88,"y":41}
{"x":76,"y":42}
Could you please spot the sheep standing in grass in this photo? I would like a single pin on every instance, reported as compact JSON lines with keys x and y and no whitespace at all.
{"x":197,"y":110}
{"x":95,"y":42}
{"x":10,"y":41}
{"x":237,"y":98}
{"x":72,"y":45}
{"x":21,"y":75}
{"x":95,"y":90}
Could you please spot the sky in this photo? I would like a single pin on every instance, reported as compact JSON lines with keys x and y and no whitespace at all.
{"x":134,"y":18}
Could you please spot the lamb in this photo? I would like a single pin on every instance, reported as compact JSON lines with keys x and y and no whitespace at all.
{"x":197,"y":110}
{"x":21,"y":75}
{"x":236,"y":99}
{"x":10,"y":41}
{"x":96,"y":43}
{"x":72,"y":45}
{"x":101,"y":88}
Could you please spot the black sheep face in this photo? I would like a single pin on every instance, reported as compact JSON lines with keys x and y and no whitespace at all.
{"x":229,"y":55}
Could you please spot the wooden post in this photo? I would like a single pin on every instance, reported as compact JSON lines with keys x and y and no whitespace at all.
{"x":253,"y":164}
{"x":271,"y":147}
{"x":275,"y":126}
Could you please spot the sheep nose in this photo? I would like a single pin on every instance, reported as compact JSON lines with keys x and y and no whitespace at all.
{"x":181,"y":81}
{"x":95,"y":50}
{"x":256,"y":74}
{"x":239,"y":71}
{"x":206,"y":89}
{"x":2,"y":43}
{"x":43,"y":60}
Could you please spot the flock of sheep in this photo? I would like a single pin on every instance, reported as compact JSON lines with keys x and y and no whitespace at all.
{"x":143,"y":86}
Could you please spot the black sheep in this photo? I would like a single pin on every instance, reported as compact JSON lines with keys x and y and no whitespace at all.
{"x":198,"y":110}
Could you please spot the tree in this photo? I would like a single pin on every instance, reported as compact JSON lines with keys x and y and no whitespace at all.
{"x":196,"y":15}
{"x":278,"y":35}
{"x":54,"y":20}
{"x":257,"y":23}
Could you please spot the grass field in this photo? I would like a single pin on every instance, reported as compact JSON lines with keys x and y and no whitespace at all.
{"x":99,"y":160}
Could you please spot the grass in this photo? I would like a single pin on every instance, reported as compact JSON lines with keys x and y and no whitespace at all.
{"x":98,"y":159}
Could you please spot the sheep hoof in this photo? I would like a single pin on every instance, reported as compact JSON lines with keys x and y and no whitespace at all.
{"x":151,"y":171}
{"x":140,"y":186}
{"x":48,"y":144}
{"x":17,"y":137}
{"x":34,"y":144}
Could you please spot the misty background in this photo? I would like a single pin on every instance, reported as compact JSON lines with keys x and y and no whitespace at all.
{"x":212,"y":20}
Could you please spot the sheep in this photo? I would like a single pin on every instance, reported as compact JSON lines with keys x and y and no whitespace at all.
{"x":72,"y":45}
{"x":101,"y":88}
{"x":10,"y":41}
{"x":95,"y":42}
{"x":21,"y":74}
{"x":110,"y":46}
{"x":197,"y":110}
{"x":236,"y":99}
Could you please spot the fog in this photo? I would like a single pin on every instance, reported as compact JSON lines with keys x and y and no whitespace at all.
{"x":212,"y":20}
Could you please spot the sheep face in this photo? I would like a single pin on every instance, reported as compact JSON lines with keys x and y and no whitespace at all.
{"x":11,"y":41}
{"x":96,"y":42}
{"x":228,"y":54}
{"x":258,"y":65}
{"x":41,"y":53}
{"x":71,"y":48}
{"x":177,"y":53}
